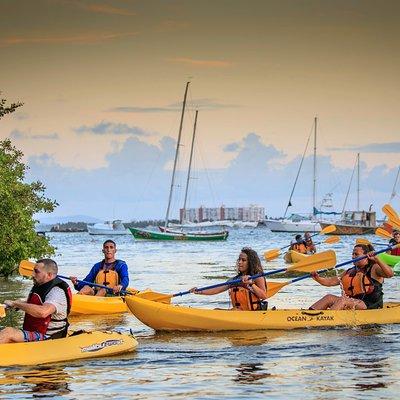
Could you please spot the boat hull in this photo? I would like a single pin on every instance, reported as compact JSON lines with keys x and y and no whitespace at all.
{"x":95,"y":305}
{"x":164,"y":317}
{"x":178,"y":236}
{"x":81,"y":346}
{"x":290,"y":226}
{"x":347,"y":229}
{"x":292,"y":256}
{"x":389,"y":259}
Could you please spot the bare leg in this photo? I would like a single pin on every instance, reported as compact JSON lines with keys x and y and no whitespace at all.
{"x":11,"y":335}
{"x":87,"y":290}
{"x":325,"y":303}
{"x":347,"y":303}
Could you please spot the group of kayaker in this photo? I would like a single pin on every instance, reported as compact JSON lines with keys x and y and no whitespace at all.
{"x":303,"y":245}
{"x":49,"y":301}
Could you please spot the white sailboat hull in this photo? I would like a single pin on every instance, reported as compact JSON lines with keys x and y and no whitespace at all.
{"x":286,"y":225}
{"x":108,"y":229}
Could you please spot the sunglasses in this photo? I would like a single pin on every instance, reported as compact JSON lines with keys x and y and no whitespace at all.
{"x":36,"y":270}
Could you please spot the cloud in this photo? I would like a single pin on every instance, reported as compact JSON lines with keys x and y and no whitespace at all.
{"x":232,"y":147}
{"x":21,"y":116}
{"x":196,"y":104}
{"x":111,"y":128}
{"x":84,"y":38}
{"x":391,"y":147}
{"x":201,"y":63}
{"x":140,"y":173}
{"x":105,"y":9}
{"x":18,"y":135}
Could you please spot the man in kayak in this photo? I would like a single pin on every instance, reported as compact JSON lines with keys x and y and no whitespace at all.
{"x":393,"y":242}
{"x":299,"y":245}
{"x":361,"y":284}
{"x":109,"y":272}
{"x":310,"y":246}
{"x":46,"y":309}
{"x":250,"y":295}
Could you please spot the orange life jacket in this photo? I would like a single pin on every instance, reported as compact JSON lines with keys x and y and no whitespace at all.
{"x":107,"y":276}
{"x":300,"y":248}
{"x":243,"y":299}
{"x":357,"y":282}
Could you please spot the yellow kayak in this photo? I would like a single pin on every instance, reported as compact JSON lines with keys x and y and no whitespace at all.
{"x":86,"y":305}
{"x":292,"y":256}
{"x":74,"y":347}
{"x":167,"y":317}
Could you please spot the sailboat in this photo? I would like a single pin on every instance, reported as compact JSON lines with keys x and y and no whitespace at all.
{"x":354,"y":222}
{"x":166,"y":233}
{"x":297,"y":223}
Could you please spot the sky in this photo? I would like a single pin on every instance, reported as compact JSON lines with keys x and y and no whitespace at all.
{"x":102,"y":83}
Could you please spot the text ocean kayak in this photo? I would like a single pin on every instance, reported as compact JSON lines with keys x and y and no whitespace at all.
{"x":75,"y":347}
{"x":389,"y":259}
{"x":171,"y":317}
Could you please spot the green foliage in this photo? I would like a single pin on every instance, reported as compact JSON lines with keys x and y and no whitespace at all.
{"x":18,"y":202}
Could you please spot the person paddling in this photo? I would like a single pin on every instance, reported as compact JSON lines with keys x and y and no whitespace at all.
{"x":46,"y":309}
{"x":393,"y":242}
{"x":361,"y":284}
{"x":310,"y":246}
{"x":249,"y":295}
{"x":109,"y":272}
{"x":299,"y":245}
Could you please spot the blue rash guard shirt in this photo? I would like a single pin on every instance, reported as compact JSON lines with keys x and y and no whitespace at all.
{"x":120,"y":268}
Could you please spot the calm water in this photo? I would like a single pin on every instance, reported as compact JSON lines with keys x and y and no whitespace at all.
{"x":308,"y":364}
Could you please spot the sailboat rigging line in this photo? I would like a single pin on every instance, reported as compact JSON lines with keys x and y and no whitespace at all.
{"x":298,"y":174}
{"x":348,"y":189}
{"x":176,"y":155}
{"x":393,"y":195}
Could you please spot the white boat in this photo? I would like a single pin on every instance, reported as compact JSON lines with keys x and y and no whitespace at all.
{"x":108,"y":228}
{"x":288,"y":225}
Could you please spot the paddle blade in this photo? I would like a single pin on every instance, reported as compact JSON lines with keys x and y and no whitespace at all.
{"x":328,"y":229}
{"x":395,"y":222}
{"x":274,"y":287}
{"x":26,"y":268}
{"x":323,"y":260}
{"x":272,"y":254}
{"x":332,"y":239}
{"x":154,"y":296}
{"x":2,"y":310}
{"x":390,"y":212}
{"x":363,"y":241}
{"x":383,"y":233}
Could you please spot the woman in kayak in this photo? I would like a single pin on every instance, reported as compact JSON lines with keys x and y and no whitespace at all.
{"x":249,"y":295}
{"x":361,"y":284}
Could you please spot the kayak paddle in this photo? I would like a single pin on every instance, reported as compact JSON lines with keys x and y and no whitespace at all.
{"x":394,"y":218}
{"x":275,"y":287}
{"x":274,"y":253}
{"x":383,"y":233}
{"x":325,"y":259}
{"x":26,"y":268}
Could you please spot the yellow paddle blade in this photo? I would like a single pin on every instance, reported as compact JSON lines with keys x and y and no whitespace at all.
{"x":328,"y":229}
{"x":390,"y":212}
{"x":395,"y":222}
{"x":332,"y":239}
{"x":323,"y":260}
{"x":274,"y":287}
{"x":2,"y":310}
{"x":154,"y":296}
{"x":271,"y":254}
{"x":383,"y":233}
{"x":363,"y":241}
{"x":26,"y":268}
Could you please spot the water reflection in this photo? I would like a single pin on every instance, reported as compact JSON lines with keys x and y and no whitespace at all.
{"x":46,"y":381}
{"x":251,"y":372}
{"x":98,"y":322}
{"x":371,"y":370}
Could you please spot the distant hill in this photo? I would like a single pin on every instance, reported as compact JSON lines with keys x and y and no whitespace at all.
{"x":53,"y":219}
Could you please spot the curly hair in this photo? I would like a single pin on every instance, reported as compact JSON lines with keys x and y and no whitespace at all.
{"x":253,"y":261}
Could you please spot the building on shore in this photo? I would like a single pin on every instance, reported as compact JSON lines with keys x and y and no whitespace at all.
{"x":252,"y":213}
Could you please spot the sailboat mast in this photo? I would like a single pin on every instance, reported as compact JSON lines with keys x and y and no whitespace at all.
{"x":315,"y":167}
{"x":348,"y":189}
{"x":190,"y":167}
{"x":176,"y":155}
{"x":393,"y":195}
{"x":358,"y":181}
